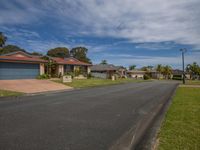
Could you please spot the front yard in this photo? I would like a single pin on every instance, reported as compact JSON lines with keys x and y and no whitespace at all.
{"x":97,"y":82}
{"x":4,"y":93}
{"x":181,"y":127}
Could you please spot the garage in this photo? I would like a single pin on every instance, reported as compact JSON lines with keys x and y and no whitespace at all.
{"x":20,"y":65}
{"x":10,"y":70}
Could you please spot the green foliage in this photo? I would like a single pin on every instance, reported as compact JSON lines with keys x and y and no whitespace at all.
{"x":193,"y":69}
{"x":146,"y":77}
{"x":89,"y":76}
{"x":43,"y":76}
{"x":159,"y":68}
{"x":10,"y":48}
{"x":132,"y":67}
{"x":104,"y":62}
{"x":70,"y":74}
{"x":36,"y":54}
{"x":77,"y":72}
{"x":61,"y":52}
{"x":80,"y":53}
{"x":167,"y":71}
{"x":3,"y":39}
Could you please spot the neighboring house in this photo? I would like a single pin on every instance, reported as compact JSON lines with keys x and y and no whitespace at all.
{"x":20,"y":65}
{"x":67,"y":65}
{"x":179,"y":73}
{"x":155,"y":74}
{"x":140,"y":74}
{"x":105,"y":71}
{"x":136,"y":74}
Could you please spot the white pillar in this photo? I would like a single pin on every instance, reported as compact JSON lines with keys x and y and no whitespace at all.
{"x":61,"y":69}
{"x":88,"y":69}
{"x":41,"y":69}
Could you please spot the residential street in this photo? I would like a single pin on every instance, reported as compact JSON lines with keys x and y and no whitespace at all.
{"x":87,"y":119}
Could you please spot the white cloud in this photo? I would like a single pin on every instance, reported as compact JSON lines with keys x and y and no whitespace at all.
{"x":137,"y":21}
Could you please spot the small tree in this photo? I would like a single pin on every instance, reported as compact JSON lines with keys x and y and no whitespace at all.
{"x":104,"y":62}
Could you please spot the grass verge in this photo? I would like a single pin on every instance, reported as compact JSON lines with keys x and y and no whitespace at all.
{"x":192,"y":82}
{"x":4,"y":93}
{"x":97,"y":82}
{"x":181,"y":127}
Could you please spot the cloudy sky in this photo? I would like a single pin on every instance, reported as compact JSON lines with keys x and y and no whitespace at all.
{"x":123,"y":32}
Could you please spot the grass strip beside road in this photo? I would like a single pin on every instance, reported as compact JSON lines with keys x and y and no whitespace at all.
{"x":97,"y":82}
{"x":192,"y":82}
{"x":181,"y":127}
{"x":4,"y":93}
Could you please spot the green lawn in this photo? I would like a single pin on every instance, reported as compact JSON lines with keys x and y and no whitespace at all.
{"x":181,"y":127}
{"x":4,"y":93}
{"x":97,"y":82}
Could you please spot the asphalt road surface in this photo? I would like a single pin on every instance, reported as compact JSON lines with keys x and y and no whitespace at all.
{"x":88,"y":119}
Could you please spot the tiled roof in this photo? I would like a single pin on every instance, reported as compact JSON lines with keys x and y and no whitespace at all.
{"x":104,"y":67}
{"x":27,"y":58}
{"x":32,"y":59}
{"x":69,"y":61}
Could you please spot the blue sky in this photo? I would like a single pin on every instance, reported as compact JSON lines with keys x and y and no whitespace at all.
{"x":125,"y":32}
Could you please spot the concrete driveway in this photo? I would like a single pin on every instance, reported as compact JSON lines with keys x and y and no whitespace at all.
{"x":31,"y":85}
{"x":103,"y":118}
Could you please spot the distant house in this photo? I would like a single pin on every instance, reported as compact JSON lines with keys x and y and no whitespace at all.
{"x":105,"y":71}
{"x":179,"y":73}
{"x":68,"y":65}
{"x":140,"y":74}
{"x":20,"y":65}
{"x":137,"y":74}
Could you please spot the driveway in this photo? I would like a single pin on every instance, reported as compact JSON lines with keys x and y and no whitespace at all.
{"x":31,"y":85}
{"x":88,"y":119}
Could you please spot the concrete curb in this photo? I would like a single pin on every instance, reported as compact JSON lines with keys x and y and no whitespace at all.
{"x":135,"y":136}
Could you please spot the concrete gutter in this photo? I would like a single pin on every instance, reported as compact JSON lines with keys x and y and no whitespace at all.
{"x":143,"y":136}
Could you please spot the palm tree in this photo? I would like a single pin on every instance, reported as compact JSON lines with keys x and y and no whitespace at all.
{"x":159,"y":68}
{"x":3,"y":39}
{"x":167,"y":71}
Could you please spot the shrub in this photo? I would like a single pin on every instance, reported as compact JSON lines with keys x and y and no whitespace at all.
{"x":43,"y":76}
{"x":89,"y":76}
{"x":70,"y":74}
{"x":146,"y":77}
{"x":177,"y":77}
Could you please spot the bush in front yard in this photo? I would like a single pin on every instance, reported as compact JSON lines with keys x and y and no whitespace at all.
{"x":43,"y":76}
{"x":147,"y":77}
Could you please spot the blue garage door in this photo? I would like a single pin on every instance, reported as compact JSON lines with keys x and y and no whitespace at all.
{"x":18,"y":71}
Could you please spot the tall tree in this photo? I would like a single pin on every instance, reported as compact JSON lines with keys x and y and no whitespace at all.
{"x":167,"y":71}
{"x":61,"y":52}
{"x":10,"y":48}
{"x":80,"y":53}
{"x":104,"y":62}
{"x":3,"y":39}
{"x":132,"y":67}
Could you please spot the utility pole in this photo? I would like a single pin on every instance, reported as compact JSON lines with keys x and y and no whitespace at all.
{"x":183,"y":50}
